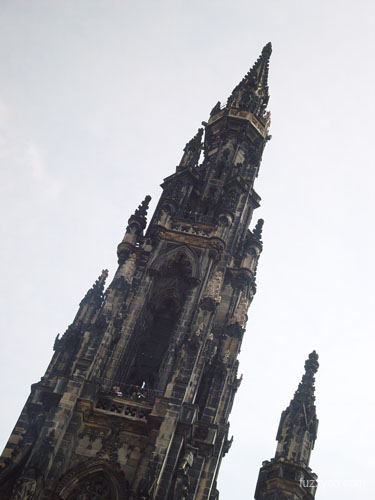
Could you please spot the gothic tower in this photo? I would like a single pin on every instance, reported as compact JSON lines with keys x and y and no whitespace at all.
{"x":288,"y":475}
{"x":136,"y":400}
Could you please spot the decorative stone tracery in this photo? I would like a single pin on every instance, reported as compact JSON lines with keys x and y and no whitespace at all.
{"x":24,"y":488}
{"x":96,"y":487}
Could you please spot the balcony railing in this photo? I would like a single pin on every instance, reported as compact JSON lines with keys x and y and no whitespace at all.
{"x":134,"y":411}
{"x":194,"y":216}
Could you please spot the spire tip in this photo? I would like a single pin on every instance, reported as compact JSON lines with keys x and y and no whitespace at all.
{"x":267,"y":49}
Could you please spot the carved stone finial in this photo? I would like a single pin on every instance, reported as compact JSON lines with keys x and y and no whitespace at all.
{"x":192,"y":151}
{"x":137,"y":222}
{"x":257,"y":231}
{"x":143,"y":207}
{"x":95,"y":294}
{"x":299,"y":419}
{"x":267,"y":50}
{"x":306,"y":388}
{"x":215,"y":109}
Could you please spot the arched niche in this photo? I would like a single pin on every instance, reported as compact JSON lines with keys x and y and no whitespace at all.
{"x":180,"y":260}
{"x":154,"y":342}
{"x":93,"y":481}
{"x":174,"y":272}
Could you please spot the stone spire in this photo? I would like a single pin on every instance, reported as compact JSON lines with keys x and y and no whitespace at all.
{"x":298,"y":424}
{"x":251,"y":94}
{"x":136,"y":400}
{"x":192,"y":151}
{"x":304,"y":395}
{"x":288,"y":475}
{"x":134,"y":231}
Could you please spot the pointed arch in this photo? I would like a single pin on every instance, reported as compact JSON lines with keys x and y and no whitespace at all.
{"x":173,"y":255}
{"x":94,"y":478}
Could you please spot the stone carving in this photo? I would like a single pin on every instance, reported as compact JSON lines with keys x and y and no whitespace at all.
{"x":209,"y":141}
{"x":173,"y":190}
{"x":143,"y":207}
{"x":182,"y":481}
{"x":127,"y":410}
{"x":147,"y":483}
{"x":254,"y":154}
{"x":227,"y":445}
{"x":186,"y":462}
{"x":137,"y":222}
{"x":24,"y":488}
{"x":192,"y":151}
{"x":96,"y":487}
{"x":237,"y":382}
{"x":128,"y":268}
{"x":240,"y":314}
{"x":230,"y":199}
{"x":226,"y":357}
{"x":195,"y":339}
{"x":199,"y":329}
{"x":257,"y":231}
{"x":95,"y":294}
{"x":110,"y":447}
{"x":214,"y":287}
{"x":192,"y":229}
{"x":215,"y":109}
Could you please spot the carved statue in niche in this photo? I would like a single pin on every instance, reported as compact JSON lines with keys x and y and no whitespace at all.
{"x":199,"y":329}
{"x":226,"y":357}
{"x":181,"y":489}
{"x":128,"y":268}
{"x":214,"y":287}
{"x":186,"y":462}
{"x":240,"y":314}
{"x":213,"y":352}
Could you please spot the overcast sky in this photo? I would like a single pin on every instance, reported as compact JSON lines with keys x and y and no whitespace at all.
{"x":97,"y":100}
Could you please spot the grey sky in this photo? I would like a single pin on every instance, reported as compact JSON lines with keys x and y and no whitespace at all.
{"x":97,"y":100}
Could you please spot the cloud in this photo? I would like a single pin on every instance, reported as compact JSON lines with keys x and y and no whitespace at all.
{"x":21,"y":158}
{"x":36,"y":163}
